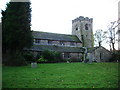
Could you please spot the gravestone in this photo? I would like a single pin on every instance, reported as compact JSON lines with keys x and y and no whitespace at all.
{"x":90,"y":57}
{"x":33,"y":65}
{"x":68,"y":62}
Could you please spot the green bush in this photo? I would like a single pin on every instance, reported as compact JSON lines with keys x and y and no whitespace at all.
{"x":51,"y":56}
{"x":58,"y":56}
{"x":48,"y":55}
{"x":28,"y":56}
{"x":41,"y":60}
{"x":115,"y":56}
{"x":15,"y":59}
{"x":38,"y":55}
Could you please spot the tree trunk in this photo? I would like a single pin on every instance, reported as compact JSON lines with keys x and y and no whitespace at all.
{"x":99,"y":44}
{"x":113,"y":46}
{"x":110,"y":47}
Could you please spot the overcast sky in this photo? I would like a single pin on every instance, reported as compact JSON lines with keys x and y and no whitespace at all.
{"x":56,"y":15}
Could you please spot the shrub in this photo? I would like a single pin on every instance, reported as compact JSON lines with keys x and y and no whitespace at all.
{"x":51,"y":56}
{"x":38,"y":55}
{"x":115,"y":56}
{"x":57,"y":56}
{"x":15,"y":59}
{"x":41,"y":60}
{"x":28,"y":56}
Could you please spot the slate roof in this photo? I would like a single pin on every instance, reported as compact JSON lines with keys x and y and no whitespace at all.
{"x":55,"y":36}
{"x":95,"y":48}
{"x":92,"y":49}
{"x":55,"y":48}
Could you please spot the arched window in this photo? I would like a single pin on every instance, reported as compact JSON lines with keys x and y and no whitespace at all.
{"x":86,"y":26}
{"x":76,"y":27}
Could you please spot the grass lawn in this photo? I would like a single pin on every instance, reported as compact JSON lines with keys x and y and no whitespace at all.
{"x":62,"y":75}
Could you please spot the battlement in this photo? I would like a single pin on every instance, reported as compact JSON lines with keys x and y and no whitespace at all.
{"x":81,"y":18}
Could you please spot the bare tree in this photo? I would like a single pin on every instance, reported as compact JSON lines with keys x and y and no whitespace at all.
{"x":111,"y":34}
{"x":99,"y":37}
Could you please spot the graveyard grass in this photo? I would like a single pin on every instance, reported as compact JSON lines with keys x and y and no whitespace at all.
{"x":62,"y":75}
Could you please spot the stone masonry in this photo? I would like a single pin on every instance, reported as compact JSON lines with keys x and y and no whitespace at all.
{"x":66,"y":43}
{"x":82,"y":27}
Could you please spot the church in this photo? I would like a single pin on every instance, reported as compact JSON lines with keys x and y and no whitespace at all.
{"x":70,"y":46}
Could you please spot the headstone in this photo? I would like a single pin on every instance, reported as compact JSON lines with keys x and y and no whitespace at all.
{"x":117,"y":60}
{"x":90,"y":57}
{"x":33,"y":65}
{"x":68,"y":62}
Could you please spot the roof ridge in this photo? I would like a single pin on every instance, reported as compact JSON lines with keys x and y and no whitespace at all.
{"x":55,"y":36}
{"x":52,"y":33}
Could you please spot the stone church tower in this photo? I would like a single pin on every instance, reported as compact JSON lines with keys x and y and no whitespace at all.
{"x":82,"y":27}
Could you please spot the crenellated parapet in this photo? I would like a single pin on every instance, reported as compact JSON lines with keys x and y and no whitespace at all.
{"x":81,"y":18}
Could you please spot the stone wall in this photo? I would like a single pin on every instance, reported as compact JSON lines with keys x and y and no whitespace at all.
{"x":101,"y":55}
{"x":45,"y":42}
{"x":76,"y":55}
{"x":79,"y":44}
{"x":55,"y":42}
{"x":72,"y":55}
{"x":67,"y":43}
{"x":64,"y":55}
